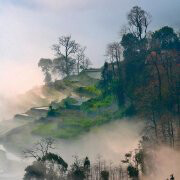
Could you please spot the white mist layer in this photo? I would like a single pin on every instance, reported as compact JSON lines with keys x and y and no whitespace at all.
{"x":166,"y":161}
{"x":111,"y":141}
{"x":17,"y":78}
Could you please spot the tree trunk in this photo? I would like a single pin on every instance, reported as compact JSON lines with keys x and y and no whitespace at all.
{"x":159,"y":80}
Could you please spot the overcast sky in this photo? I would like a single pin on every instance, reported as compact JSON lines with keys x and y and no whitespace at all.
{"x":28,"y":28}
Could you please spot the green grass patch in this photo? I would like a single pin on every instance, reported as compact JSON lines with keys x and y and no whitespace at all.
{"x":89,"y":91}
{"x":45,"y":129}
{"x":96,"y":103}
{"x":73,"y":123}
{"x":76,"y":121}
{"x":68,"y":133}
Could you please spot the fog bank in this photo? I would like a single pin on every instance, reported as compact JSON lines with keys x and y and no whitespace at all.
{"x":17,"y":78}
{"x":166,"y":161}
{"x":111,"y":141}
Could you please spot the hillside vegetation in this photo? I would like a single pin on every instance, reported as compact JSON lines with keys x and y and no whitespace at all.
{"x":82,"y":108}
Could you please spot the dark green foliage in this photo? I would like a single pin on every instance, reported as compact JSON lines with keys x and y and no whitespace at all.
{"x":55,"y":158}
{"x":112,"y":85}
{"x":172,"y":177}
{"x":118,"y":91}
{"x":69,"y":102}
{"x":130,"y":111}
{"x":77,"y":171}
{"x":36,"y":171}
{"x":51,"y":111}
{"x":166,"y":39}
{"x":139,"y":157}
{"x":78,"y":174}
{"x":46,"y":67}
{"x":129,"y":42}
{"x":86,"y":163}
{"x":106,"y":81}
{"x":132,"y":171}
{"x":104,"y":175}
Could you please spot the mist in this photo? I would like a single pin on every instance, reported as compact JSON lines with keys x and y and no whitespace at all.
{"x":165,"y":162}
{"x":111,"y":141}
{"x":17,"y":78}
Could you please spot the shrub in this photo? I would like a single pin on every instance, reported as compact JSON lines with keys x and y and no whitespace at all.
{"x":132,"y":171}
{"x":89,"y":91}
{"x":96,"y":103}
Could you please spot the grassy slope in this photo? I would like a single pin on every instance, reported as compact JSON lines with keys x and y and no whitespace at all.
{"x":68,"y":122}
{"x":71,"y":123}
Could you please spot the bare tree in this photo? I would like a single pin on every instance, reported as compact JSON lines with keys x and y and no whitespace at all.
{"x":113,"y":53}
{"x":65,"y":51}
{"x":124,"y":30}
{"x":139,"y":21}
{"x":82,"y":61}
{"x":40,"y":149}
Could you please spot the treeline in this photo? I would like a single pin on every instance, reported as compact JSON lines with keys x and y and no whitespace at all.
{"x":143,"y":72}
{"x":51,"y":166}
{"x":70,"y":58}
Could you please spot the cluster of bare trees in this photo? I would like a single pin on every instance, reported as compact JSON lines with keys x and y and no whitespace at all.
{"x":70,"y":59}
{"x":104,"y":170}
{"x":163,"y":128}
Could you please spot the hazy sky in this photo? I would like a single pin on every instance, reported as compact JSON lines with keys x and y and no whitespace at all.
{"x":28,"y":28}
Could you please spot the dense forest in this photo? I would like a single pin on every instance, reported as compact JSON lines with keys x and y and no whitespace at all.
{"x":141,"y":75}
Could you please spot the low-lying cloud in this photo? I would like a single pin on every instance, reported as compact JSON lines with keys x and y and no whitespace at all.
{"x":165,"y":162}
{"x":17,"y":78}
